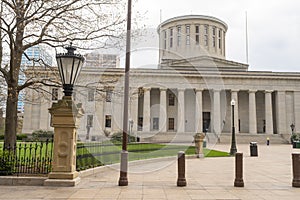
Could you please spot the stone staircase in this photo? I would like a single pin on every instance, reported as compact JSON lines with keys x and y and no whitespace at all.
{"x":245,"y":138}
{"x":224,"y":138}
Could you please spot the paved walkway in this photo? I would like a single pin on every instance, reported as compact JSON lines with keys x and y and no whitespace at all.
{"x":267,"y":176}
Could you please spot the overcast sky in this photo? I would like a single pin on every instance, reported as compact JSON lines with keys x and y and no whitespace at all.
{"x":273,"y":28}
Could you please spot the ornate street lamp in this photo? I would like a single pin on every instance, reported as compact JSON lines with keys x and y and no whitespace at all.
{"x":65,"y":119}
{"x":69,"y":66}
{"x":233,"y":149}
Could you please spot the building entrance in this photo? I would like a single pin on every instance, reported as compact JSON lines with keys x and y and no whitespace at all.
{"x":206,"y":121}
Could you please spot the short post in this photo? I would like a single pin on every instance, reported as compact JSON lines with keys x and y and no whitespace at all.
{"x":181,"y":181}
{"x":239,"y":182}
{"x":296,"y":169}
{"x":199,"y":138}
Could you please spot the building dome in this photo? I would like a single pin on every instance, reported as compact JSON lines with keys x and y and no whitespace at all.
{"x":191,"y":36}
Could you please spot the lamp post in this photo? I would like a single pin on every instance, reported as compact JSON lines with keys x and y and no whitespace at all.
{"x":123,"y":180}
{"x":65,"y":120}
{"x":69,"y":66}
{"x":292,"y":127}
{"x":233,"y":149}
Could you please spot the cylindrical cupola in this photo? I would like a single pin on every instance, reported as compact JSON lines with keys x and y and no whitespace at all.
{"x":191,"y":36}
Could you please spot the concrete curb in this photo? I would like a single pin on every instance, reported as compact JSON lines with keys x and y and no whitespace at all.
{"x":39,"y":181}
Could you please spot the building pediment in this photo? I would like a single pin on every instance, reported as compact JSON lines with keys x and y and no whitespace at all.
{"x":205,"y":63}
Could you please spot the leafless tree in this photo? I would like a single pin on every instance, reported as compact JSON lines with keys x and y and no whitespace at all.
{"x":89,"y":24}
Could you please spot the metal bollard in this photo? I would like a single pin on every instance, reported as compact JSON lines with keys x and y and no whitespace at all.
{"x":238,"y":182}
{"x":181,"y":181}
{"x":296,"y":169}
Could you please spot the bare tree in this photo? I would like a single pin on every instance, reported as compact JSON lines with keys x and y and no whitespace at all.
{"x":26,"y":23}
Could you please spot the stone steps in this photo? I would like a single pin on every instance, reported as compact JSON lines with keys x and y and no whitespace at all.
{"x":244,"y":138}
{"x":224,"y":138}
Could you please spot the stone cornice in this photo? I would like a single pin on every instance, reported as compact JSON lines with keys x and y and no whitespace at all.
{"x":203,"y":74}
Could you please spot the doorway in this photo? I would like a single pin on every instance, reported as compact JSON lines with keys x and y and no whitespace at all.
{"x":206,"y":121}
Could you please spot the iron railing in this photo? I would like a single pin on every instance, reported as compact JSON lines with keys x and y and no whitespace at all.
{"x":27,"y":158}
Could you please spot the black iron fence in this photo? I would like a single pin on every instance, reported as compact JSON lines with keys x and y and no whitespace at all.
{"x":36,"y":157}
{"x":27,"y":158}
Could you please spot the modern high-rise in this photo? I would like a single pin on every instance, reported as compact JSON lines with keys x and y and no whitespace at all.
{"x":35,"y":56}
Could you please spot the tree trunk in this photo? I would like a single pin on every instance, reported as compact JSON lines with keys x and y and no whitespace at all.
{"x":11,"y":119}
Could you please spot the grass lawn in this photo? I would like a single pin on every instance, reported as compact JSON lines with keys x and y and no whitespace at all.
{"x":26,"y":149}
{"x":95,"y":154}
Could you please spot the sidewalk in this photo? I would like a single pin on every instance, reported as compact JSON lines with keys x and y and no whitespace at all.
{"x":268,"y":176}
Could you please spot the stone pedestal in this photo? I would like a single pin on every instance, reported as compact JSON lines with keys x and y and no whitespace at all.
{"x":65,"y":120}
{"x":199,"y":138}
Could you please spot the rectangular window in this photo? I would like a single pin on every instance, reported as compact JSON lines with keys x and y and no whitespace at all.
{"x":206,"y":35}
{"x":214,"y":37}
{"x":188,"y":32}
{"x":197,"y":31}
{"x":178,"y":35}
{"x":108,"y":95}
{"x":140,"y":124}
{"x":91,"y":95}
{"x":206,"y":29}
{"x":74,"y":95}
{"x":165,"y":39}
{"x":54,"y":94}
{"x":171,"y":100}
{"x":155,"y":123}
{"x":89,"y":121}
{"x":171,"y":124}
{"x":220,"y":39}
{"x":171,"y":37}
{"x":107,"y":121}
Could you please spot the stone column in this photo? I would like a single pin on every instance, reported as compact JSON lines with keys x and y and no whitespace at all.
{"x":234,"y":95}
{"x":281,"y":112}
{"x":163,"y":110}
{"x":268,"y":112}
{"x":65,"y":120}
{"x":297,"y":111}
{"x":199,"y":112}
{"x":146,"y":110}
{"x":180,"y":111}
{"x":217,"y":112}
{"x":252,"y":112}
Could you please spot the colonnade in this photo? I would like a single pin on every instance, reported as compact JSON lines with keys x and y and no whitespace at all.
{"x":270,"y":105}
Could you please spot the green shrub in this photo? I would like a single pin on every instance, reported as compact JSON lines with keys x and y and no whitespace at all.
{"x":42,"y":135}
{"x":118,"y":136}
{"x":21,"y":136}
{"x":295,"y":137}
{"x":1,"y":137}
{"x":6,"y":165}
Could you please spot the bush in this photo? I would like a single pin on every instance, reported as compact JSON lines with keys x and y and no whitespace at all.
{"x":295,"y":137}
{"x":42,"y":135}
{"x":6,"y":164}
{"x":21,"y":136}
{"x":118,"y":136}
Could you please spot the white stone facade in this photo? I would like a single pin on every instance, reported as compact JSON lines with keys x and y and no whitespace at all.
{"x":184,"y":95}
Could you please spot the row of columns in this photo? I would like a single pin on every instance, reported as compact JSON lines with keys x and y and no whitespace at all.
{"x":216,"y":110}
